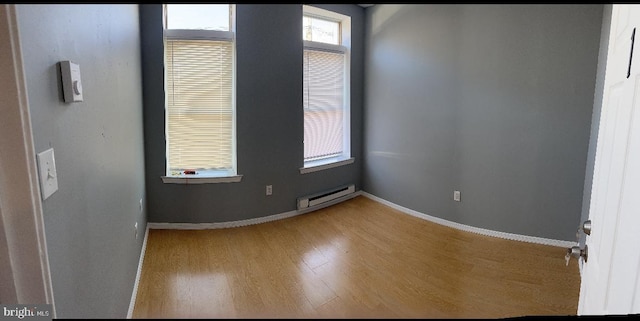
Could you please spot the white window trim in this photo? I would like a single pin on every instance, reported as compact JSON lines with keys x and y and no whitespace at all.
{"x":318,"y":165}
{"x":321,"y":46}
{"x":344,"y":47}
{"x":189,"y":34}
{"x":201,"y":180}
{"x":210,"y":176}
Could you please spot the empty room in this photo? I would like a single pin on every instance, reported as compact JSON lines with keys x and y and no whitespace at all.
{"x":319,"y":161}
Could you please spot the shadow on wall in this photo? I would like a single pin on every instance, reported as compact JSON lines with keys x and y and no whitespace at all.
{"x":379,"y":18}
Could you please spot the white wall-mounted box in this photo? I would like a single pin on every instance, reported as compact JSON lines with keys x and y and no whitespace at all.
{"x":71,"y":82}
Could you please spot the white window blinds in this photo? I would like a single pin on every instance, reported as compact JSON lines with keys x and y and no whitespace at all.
{"x":323,"y":104}
{"x":199,"y":93}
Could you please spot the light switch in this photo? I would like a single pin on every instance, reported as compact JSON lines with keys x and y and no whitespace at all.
{"x":47,"y":172}
{"x":71,"y":82}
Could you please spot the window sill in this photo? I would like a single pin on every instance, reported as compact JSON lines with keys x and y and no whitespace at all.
{"x":315,"y":166}
{"x":201,"y":180}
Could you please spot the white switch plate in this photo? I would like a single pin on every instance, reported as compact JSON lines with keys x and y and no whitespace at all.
{"x":269,"y":190}
{"x":47,"y":172}
{"x":456,"y":196}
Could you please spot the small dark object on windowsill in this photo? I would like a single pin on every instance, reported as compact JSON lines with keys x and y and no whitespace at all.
{"x":189,"y":172}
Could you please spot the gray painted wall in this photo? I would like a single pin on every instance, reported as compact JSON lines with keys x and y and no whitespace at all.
{"x":409,"y":95}
{"x":595,"y":118}
{"x":98,"y":147}
{"x":491,"y":100}
{"x":269,"y":120}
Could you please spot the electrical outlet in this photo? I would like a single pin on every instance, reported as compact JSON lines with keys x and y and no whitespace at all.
{"x":140,"y":206}
{"x":456,"y":196}
{"x":269,"y":190}
{"x":135,"y":227}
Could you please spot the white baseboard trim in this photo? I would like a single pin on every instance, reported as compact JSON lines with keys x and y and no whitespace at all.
{"x":252,"y":221}
{"x":275,"y":217}
{"x":208,"y":226}
{"x":134,"y":294}
{"x":472,"y":229}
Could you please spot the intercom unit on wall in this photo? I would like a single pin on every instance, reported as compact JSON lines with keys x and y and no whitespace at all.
{"x":71,"y":83}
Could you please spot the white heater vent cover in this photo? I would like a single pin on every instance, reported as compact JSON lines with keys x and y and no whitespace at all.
{"x":325,"y":197}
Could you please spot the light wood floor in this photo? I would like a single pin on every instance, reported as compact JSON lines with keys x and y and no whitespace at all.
{"x":357,"y":259}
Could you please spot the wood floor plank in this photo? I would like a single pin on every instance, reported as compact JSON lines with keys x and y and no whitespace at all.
{"x":356,"y":259}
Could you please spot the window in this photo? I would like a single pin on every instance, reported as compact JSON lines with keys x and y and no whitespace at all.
{"x":326,"y":87}
{"x":199,"y":58}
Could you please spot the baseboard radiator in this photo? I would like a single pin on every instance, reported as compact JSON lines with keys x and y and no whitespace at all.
{"x":325,"y":198}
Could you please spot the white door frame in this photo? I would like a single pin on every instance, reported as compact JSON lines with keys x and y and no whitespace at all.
{"x":24,"y":268}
